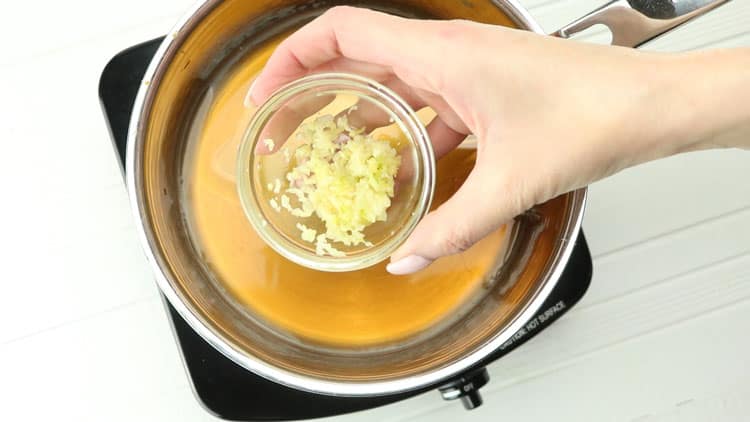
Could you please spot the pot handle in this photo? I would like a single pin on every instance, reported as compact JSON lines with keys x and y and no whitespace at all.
{"x":635,"y":22}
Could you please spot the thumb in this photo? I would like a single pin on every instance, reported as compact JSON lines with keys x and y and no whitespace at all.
{"x":477,"y":209}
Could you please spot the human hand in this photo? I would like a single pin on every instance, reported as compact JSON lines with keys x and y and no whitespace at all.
{"x":549,"y":115}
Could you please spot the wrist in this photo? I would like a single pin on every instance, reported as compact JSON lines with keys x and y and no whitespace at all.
{"x":700,"y":100}
{"x":644,"y":109}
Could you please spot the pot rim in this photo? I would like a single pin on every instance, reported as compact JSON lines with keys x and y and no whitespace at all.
{"x":224,"y":345}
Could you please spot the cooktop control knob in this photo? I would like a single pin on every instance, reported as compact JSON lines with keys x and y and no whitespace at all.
{"x":466,"y":388}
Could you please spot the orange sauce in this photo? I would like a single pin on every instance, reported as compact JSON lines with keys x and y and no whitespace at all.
{"x":357,"y":309}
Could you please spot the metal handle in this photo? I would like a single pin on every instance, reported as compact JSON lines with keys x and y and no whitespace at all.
{"x":635,"y":22}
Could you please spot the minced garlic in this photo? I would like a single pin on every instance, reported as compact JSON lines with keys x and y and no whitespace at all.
{"x":275,"y":205}
{"x":286,"y":203}
{"x":277,"y":186}
{"x":308,"y":234}
{"x":343,"y":176}
{"x":322,"y":247}
{"x":269,"y":144}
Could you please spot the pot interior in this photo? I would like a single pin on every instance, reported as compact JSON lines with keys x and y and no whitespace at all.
{"x":359,"y":328}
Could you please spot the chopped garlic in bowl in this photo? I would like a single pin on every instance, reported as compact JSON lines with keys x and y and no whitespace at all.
{"x":344,"y":176}
{"x":326,"y":186}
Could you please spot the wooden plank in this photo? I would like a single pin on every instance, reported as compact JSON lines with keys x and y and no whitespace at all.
{"x":663,"y":196}
{"x":59,"y":26}
{"x":728,"y":405}
{"x":122,"y":365}
{"x":75,"y":251}
{"x":681,"y":252}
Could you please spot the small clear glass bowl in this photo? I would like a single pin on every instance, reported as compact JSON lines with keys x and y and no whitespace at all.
{"x":365,"y":103}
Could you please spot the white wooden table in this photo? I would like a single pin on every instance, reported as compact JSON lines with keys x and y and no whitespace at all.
{"x":661,"y":335}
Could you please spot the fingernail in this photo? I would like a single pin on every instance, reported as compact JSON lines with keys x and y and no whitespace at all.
{"x":249,"y":96}
{"x":408,"y":265}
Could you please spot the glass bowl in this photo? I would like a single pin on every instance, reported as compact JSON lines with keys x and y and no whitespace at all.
{"x":268,"y":153}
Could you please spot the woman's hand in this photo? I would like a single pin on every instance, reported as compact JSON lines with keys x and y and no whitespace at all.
{"x":549,"y":115}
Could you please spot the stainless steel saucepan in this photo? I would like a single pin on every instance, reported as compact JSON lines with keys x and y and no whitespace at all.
{"x":207,"y":38}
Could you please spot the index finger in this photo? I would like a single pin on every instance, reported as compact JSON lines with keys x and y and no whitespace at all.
{"x":359,"y":34}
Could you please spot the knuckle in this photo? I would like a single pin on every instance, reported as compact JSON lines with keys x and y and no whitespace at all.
{"x":457,"y":240}
{"x":544,"y":187}
{"x":337,"y":13}
{"x":516,"y":192}
{"x":451,"y":29}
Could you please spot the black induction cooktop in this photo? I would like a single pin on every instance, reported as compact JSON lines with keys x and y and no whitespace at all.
{"x":230,"y":391}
